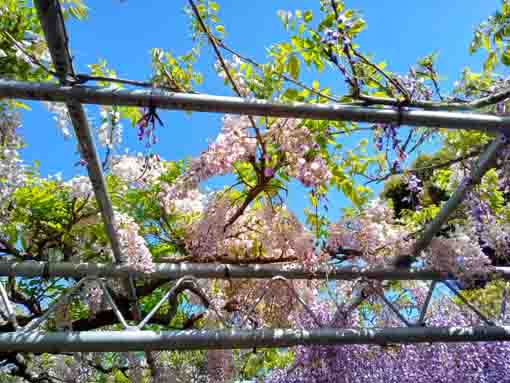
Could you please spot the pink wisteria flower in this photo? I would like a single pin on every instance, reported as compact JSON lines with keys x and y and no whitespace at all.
{"x":302,"y":158}
{"x":133,"y":245}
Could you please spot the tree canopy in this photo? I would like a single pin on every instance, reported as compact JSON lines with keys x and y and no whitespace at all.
{"x":167,"y":211}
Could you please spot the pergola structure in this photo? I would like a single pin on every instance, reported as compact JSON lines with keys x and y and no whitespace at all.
{"x":134,"y":337}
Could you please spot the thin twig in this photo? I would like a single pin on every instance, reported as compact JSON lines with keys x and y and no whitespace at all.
{"x":34,"y":59}
{"x":395,"y":83}
{"x":248,"y":60}
{"x":426,"y":168}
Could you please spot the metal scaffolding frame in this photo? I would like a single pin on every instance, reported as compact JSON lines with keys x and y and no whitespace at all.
{"x":134,"y":338}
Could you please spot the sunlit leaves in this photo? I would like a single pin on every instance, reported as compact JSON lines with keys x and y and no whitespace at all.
{"x":208,"y":11}
{"x":505,"y":57}
{"x":175,"y":72}
{"x":261,"y":363}
{"x":20,"y":42}
{"x":74,"y":8}
{"x":293,"y":66}
{"x":492,"y":35}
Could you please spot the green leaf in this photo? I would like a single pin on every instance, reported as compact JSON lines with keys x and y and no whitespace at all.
{"x":486,"y":42}
{"x":505,"y":9}
{"x":498,"y":40}
{"x":214,"y":6}
{"x":290,"y":94}
{"x":358,"y":26}
{"x":380,"y":94}
{"x":308,"y":16}
{"x":505,"y":57}
{"x":490,"y":62}
{"x":77,"y":9}
{"x":293,"y":66}
{"x":220,"y":29}
{"x":20,"y":105}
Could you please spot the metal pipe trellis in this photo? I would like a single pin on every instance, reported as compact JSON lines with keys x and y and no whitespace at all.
{"x":31,"y":269}
{"x":236,"y":105}
{"x":73,"y":95}
{"x":111,"y":341}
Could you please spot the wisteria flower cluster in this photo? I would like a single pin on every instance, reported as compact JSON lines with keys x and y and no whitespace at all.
{"x":213,"y":236}
{"x":61,"y":117}
{"x":344,"y":24}
{"x":436,"y":362}
{"x":303,"y":160}
{"x":414,"y":184}
{"x":375,"y":238}
{"x":415,"y":86}
{"x":490,"y":231}
{"x":81,"y":187}
{"x":458,"y":254}
{"x":137,"y":170}
{"x":372,"y":235}
{"x":289,"y":237}
{"x":94,"y":297}
{"x":386,"y":138}
{"x":133,"y":245}
{"x":193,"y":202}
{"x":110,"y":131}
{"x":207,"y":238}
{"x":12,"y":170}
{"x":233,"y":144}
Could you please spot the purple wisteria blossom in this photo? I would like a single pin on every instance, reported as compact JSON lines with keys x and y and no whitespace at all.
{"x":425,"y":363}
{"x":414,"y":184}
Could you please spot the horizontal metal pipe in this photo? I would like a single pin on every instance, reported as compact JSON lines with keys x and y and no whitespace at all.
{"x":112,"y":341}
{"x":32,"y":269}
{"x":235,"y":105}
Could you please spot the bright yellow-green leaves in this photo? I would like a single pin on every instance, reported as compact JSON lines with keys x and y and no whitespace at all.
{"x":260,"y":363}
{"x":21,"y":42}
{"x":74,"y":8}
{"x":492,"y":35}
{"x":175,"y":72}
{"x":293,"y":66}
{"x":18,"y":24}
{"x":487,"y":300}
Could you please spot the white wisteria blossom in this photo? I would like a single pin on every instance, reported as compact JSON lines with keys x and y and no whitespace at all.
{"x":80,"y":187}
{"x":12,"y":170}
{"x":61,"y":117}
{"x":193,"y":202}
{"x":110,"y":131}
{"x":138,"y":170}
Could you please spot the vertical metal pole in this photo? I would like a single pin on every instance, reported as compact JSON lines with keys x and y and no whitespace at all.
{"x":52,"y":21}
{"x":423,"y":312}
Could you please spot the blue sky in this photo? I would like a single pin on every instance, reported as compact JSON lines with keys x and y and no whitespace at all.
{"x":123,"y":32}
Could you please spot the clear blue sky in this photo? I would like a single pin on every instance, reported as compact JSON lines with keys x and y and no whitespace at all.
{"x":399,"y":31}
